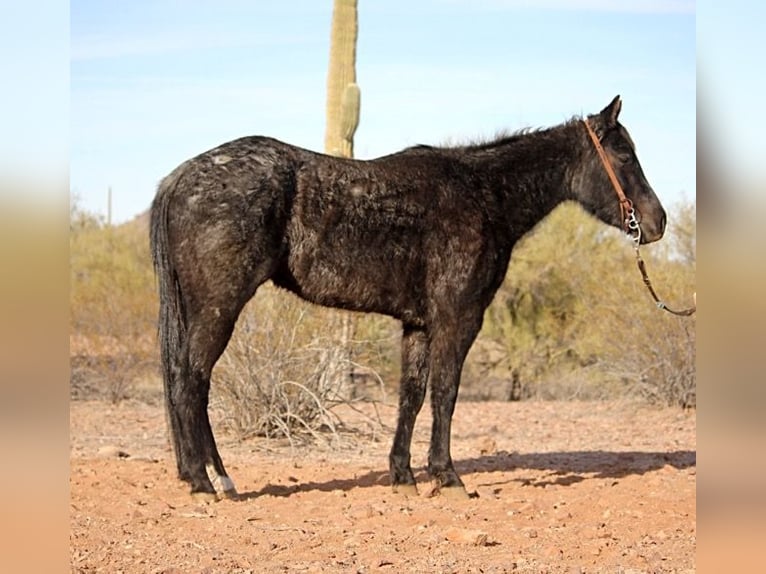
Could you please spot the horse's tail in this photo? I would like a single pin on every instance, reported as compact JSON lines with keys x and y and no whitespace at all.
{"x":171,"y":328}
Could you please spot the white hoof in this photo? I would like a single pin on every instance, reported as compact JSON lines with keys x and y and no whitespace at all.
{"x":223,"y":485}
{"x":205,"y":497}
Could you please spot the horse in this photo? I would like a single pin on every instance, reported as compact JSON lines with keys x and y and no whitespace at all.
{"x":423,"y":235}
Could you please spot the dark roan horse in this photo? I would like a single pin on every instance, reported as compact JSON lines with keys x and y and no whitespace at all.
{"x":424,"y":235}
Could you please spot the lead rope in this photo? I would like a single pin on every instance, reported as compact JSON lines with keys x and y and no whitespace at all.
{"x":630,"y":222}
{"x":635,"y":230}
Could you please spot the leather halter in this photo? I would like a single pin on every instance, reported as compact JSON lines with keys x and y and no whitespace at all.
{"x":626,"y":206}
{"x":631,"y":225}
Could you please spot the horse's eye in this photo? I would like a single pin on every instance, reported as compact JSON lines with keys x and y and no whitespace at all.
{"x":625,"y":158}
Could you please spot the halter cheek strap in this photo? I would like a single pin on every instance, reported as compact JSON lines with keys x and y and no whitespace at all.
{"x":629,"y":219}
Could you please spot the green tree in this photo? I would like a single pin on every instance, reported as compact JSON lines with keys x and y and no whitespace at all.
{"x":573,"y":318}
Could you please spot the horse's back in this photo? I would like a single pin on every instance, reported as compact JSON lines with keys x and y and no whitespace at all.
{"x":361,"y":235}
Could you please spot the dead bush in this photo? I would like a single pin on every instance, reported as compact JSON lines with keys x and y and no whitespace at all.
{"x":281,"y":374}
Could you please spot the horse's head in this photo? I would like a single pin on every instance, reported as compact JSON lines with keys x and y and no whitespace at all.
{"x":594,"y":187}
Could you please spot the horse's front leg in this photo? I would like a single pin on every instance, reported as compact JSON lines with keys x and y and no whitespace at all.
{"x":450,"y":342}
{"x":412,"y":390}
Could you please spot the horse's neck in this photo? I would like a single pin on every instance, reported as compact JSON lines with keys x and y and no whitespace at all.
{"x":531,"y":174}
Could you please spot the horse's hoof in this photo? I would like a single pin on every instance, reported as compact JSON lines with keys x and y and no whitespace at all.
{"x":205,"y":497}
{"x":405,"y":489}
{"x":222,"y":484}
{"x":230,"y":494}
{"x":454,"y":492}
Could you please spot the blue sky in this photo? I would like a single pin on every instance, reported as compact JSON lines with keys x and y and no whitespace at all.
{"x":156,"y":82}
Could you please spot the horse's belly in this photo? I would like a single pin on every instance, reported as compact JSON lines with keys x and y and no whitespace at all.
{"x":355,"y":277}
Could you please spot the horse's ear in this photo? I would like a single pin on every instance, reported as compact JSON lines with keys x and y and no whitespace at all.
{"x":610,"y":113}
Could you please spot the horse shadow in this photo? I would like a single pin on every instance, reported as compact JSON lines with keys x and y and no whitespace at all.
{"x":560,"y":468}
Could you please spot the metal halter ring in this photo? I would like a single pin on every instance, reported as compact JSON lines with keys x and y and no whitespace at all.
{"x":631,"y":223}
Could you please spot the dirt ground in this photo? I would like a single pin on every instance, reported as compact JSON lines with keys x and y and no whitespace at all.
{"x":570,"y":487}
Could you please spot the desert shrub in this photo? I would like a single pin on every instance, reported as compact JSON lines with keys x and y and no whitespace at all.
{"x":657,"y":359}
{"x":573,"y":318}
{"x":113,"y":307}
{"x":539,"y":323}
{"x":282,"y":369}
{"x":660,"y":365}
{"x":280,"y":375}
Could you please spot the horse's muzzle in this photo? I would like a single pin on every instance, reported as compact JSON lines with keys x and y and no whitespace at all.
{"x":652,"y":230}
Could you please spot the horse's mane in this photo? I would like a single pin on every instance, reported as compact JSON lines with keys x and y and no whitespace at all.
{"x":500,"y":138}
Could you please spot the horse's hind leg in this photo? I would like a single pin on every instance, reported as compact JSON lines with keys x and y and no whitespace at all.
{"x":214,"y":305}
{"x":412,"y":391}
{"x":209,"y":331}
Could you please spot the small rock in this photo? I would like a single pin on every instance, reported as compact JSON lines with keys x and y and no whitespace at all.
{"x":111,"y":451}
{"x":487,"y":446}
{"x":352,"y":542}
{"x":464,"y":536}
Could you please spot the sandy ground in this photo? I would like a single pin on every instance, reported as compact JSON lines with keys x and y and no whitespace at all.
{"x":560,"y":487}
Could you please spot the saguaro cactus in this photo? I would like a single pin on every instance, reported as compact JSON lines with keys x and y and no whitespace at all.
{"x":343,"y":104}
{"x":343,"y":94}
